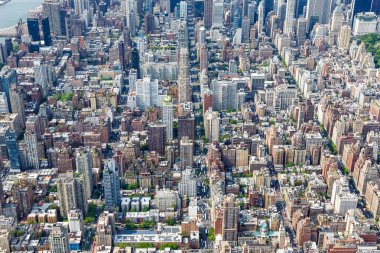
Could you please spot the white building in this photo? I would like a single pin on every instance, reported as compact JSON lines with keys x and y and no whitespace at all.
{"x":365,"y":23}
{"x":75,"y":221}
{"x":3,"y":104}
{"x":146,"y":93}
{"x":167,"y":116}
{"x":212,"y":125}
{"x":341,"y":198}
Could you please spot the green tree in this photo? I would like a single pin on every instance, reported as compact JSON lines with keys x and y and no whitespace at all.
{"x":130,"y":225}
{"x":144,"y":245}
{"x":172,"y":246}
{"x":211,"y":234}
{"x":170,"y":221}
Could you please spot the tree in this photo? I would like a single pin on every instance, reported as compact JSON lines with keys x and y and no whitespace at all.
{"x":144,"y":245}
{"x":211,"y":234}
{"x":172,"y":246}
{"x":147,"y":224}
{"x":130,"y":225}
{"x":233,"y":121}
{"x":132,"y":186}
{"x":170,"y":221}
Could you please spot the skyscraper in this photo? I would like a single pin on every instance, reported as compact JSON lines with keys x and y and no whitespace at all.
{"x":217,"y":13}
{"x":146,"y":93}
{"x":301,"y":31}
{"x":344,"y":37}
{"x":111,"y":184}
{"x":80,"y":6}
{"x":12,"y":148}
{"x":290,"y":9}
{"x":157,"y":138}
{"x":31,"y":141}
{"x":203,"y":58}
{"x":300,"y":5}
{"x":230,"y":219}
{"x":17,"y":104}
{"x":4,"y":109}
{"x":207,"y":15}
{"x":33,"y":28}
{"x":71,"y":193}
{"x":225,"y":94}
{"x":186,"y":126}
{"x":212,"y":125}
{"x":268,"y":7}
{"x":167,"y":116}
{"x":8,"y":77}
{"x":186,"y":152}
{"x":83,"y":162}
{"x":46,"y":31}
{"x":183,"y":10}
{"x":52,"y":10}
{"x":184,"y":88}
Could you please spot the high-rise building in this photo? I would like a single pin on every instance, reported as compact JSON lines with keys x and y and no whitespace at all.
{"x":225,"y":94}
{"x":167,"y":116}
{"x":148,"y":23}
{"x":365,"y":23}
{"x":300,"y":6}
{"x":212,"y":125}
{"x":80,"y":6}
{"x":208,"y":100}
{"x":186,"y":152}
{"x":337,"y":19}
{"x":217,"y":13}
{"x":76,"y":223}
{"x":43,"y":75}
{"x":111,"y":184}
{"x":301,"y":30}
{"x":4,"y":109}
{"x":83,"y":162}
{"x":344,"y":37}
{"x":290,"y":9}
{"x":184,"y":87}
{"x":52,"y":10}
{"x":105,"y":229}
{"x":71,"y":193}
{"x":17,"y":104}
{"x":188,"y":185}
{"x":8,"y":77}
{"x":46,"y":31}
{"x":12,"y":148}
{"x":268,"y":7}
{"x":146,"y":93}
{"x":230,"y":219}
{"x":31,"y":141}
{"x":183,"y":37}
{"x":186,"y":126}
{"x":358,"y":6}
{"x":33,"y":29}
{"x":260,"y":18}
{"x":183,"y":10}
{"x":58,"y":240}
{"x":207,"y":15}
{"x":203,"y":58}
{"x":157,"y":138}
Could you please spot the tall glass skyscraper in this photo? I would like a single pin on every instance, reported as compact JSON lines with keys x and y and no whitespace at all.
{"x":33,"y":28}
{"x":12,"y":148}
